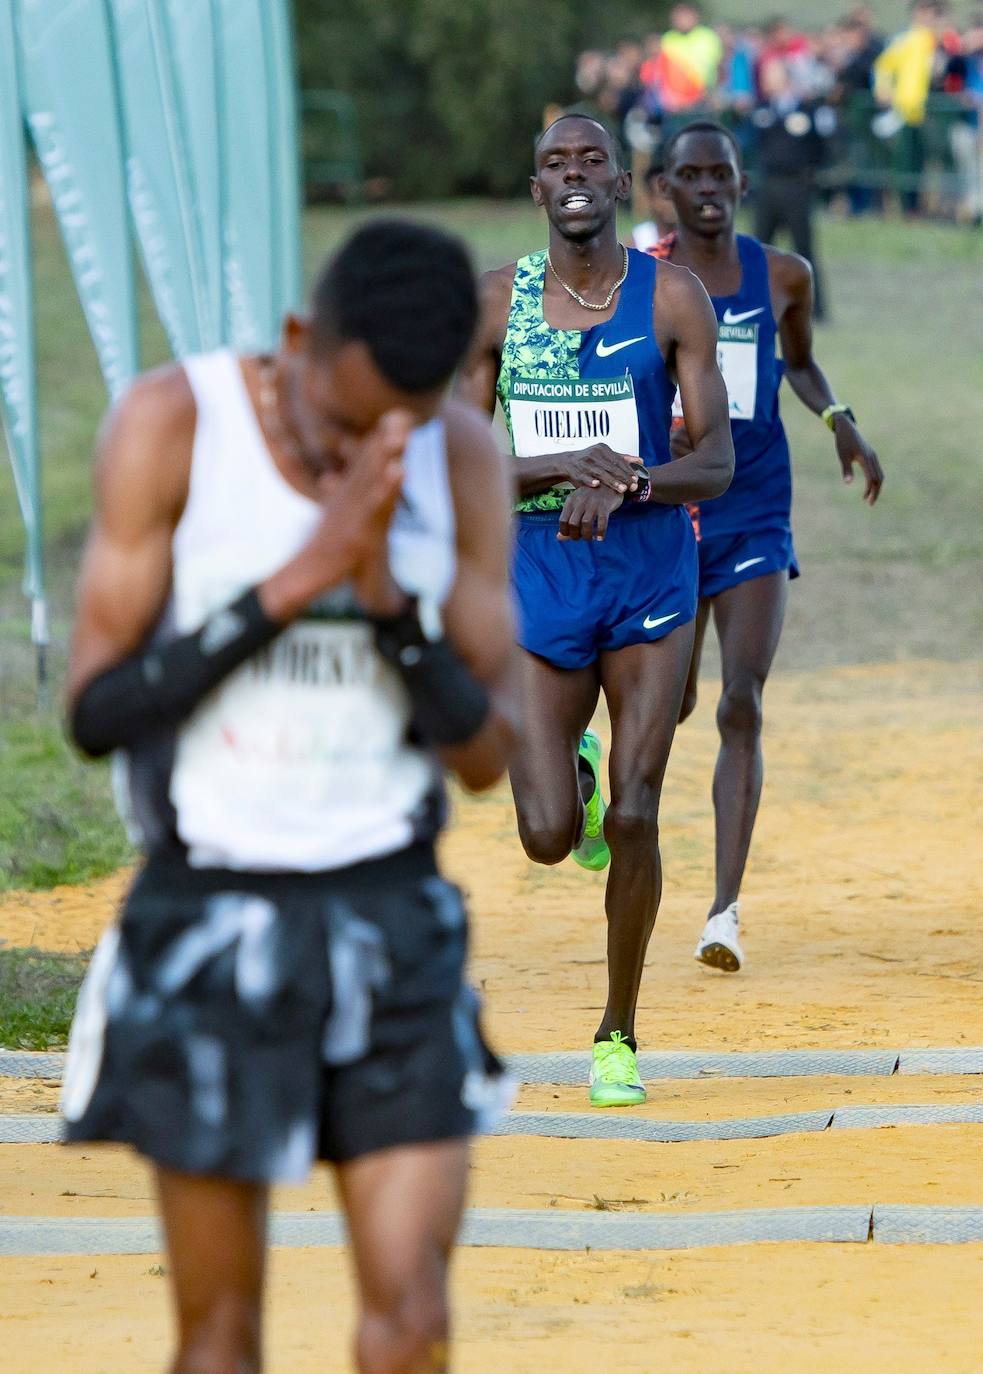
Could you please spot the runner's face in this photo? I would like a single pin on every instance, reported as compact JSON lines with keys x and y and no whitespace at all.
{"x":334,"y":396}
{"x":705,"y":184}
{"x":577,"y":180}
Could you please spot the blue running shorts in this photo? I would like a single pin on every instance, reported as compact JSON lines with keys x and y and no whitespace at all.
{"x":578,"y":599}
{"x":726,"y":560}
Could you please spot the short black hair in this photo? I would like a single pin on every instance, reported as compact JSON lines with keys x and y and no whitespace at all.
{"x":406,"y":290}
{"x":700,"y":126}
{"x":614,"y":143}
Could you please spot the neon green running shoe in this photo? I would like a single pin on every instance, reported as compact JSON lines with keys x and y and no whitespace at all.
{"x":614,"y":1080}
{"x":593,"y":852}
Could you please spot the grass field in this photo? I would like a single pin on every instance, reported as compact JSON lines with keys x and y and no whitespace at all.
{"x":898,"y":582}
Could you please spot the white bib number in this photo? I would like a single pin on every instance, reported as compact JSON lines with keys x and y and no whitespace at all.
{"x":737,"y":358}
{"x":551,"y":415}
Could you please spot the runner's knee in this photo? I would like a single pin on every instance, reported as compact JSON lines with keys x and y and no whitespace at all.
{"x":632,"y":823}
{"x":547,"y":841}
{"x":408,"y":1332}
{"x":225,"y":1341}
{"x":739,"y":711}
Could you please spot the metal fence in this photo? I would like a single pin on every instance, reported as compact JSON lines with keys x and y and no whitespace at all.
{"x":935,"y":157}
{"x":940,"y":158}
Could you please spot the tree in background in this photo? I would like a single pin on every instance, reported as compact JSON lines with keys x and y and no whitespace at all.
{"x":450,"y":92}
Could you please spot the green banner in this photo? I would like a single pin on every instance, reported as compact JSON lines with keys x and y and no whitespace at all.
{"x":194,"y":53}
{"x":17,"y":358}
{"x":259,"y":174}
{"x":69,"y":98}
{"x":159,"y":179}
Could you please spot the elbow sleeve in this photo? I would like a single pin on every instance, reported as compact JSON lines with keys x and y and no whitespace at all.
{"x":160,"y":687}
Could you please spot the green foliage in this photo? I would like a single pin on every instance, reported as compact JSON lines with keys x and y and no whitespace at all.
{"x":449,"y":93}
{"x":37,"y":997}
{"x":57,"y":821}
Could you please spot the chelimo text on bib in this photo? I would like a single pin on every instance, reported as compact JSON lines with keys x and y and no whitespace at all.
{"x":554,"y":415}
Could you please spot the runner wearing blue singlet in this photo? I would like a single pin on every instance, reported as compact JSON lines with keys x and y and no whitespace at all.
{"x":584,"y":345}
{"x":760,"y":297}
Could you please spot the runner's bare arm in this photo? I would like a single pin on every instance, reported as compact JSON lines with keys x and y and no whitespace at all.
{"x":143,"y":459}
{"x":478,"y":375}
{"x":478,"y":614}
{"x":792,"y":276}
{"x":595,"y":466}
{"x":687,"y":331}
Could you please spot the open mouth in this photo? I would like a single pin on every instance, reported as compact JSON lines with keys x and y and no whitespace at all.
{"x":576,"y":200}
{"x":711,"y":212}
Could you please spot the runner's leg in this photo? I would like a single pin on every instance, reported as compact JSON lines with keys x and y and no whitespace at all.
{"x":404,"y":1207}
{"x":557,"y":707}
{"x":749,"y":619}
{"x":216,"y":1243}
{"x":692,"y":682}
{"x":644,"y":687}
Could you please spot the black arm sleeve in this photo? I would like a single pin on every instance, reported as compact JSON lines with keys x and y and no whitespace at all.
{"x":160,"y":687}
{"x":449,"y":704}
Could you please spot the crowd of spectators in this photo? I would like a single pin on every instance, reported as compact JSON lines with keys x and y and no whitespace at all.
{"x":864,"y":113}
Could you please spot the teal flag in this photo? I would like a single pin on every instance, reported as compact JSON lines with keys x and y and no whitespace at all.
{"x":282,"y":86}
{"x":17,"y":379}
{"x":247,"y":177}
{"x":158,"y":164}
{"x":69,"y":98}
{"x":251,"y":270}
{"x":194,"y":53}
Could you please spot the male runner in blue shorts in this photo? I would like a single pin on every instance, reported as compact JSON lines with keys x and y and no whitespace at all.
{"x":585,"y":345}
{"x":293,"y":615}
{"x":745,"y":536}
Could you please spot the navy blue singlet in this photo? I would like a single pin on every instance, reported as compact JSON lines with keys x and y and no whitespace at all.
{"x":760,"y":496}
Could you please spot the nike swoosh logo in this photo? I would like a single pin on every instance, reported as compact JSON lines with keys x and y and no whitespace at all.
{"x":748,"y":563}
{"x":649,"y":624}
{"x":731,"y":318}
{"x":605,"y":350}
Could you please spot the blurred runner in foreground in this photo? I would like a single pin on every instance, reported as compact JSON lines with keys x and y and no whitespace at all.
{"x":293,"y":617}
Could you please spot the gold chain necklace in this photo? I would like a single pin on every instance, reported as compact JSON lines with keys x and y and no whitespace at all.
{"x":269,"y":399}
{"x":589,"y":305}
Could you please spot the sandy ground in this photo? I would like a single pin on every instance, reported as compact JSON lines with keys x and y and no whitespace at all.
{"x":924,"y":1165}
{"x":861,"y":911}
{"x":814,"y":1309}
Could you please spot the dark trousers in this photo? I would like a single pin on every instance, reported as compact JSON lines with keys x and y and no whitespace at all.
{"x":787,"y":202}
{"x":909,"y":160}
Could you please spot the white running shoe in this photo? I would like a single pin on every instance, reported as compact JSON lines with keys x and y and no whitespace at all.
{"x":719,"y":946}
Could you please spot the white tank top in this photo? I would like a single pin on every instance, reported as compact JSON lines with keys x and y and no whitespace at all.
{"x":299,"y":760}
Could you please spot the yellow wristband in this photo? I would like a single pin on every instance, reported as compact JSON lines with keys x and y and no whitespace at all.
{"x":830,"y":413}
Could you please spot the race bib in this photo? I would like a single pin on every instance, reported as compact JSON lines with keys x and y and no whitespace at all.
{"x":737,"y":358}
{"x":553,"y":415}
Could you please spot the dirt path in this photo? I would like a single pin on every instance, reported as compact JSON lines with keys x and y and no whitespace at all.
{"x":861,"y":911}
{"x":814,"y":1309}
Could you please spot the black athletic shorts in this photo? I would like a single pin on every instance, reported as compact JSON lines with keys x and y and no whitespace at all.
{"x":243,"y":1025}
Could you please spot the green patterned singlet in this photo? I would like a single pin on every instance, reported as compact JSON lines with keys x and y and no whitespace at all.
{"x":533,"y":348}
